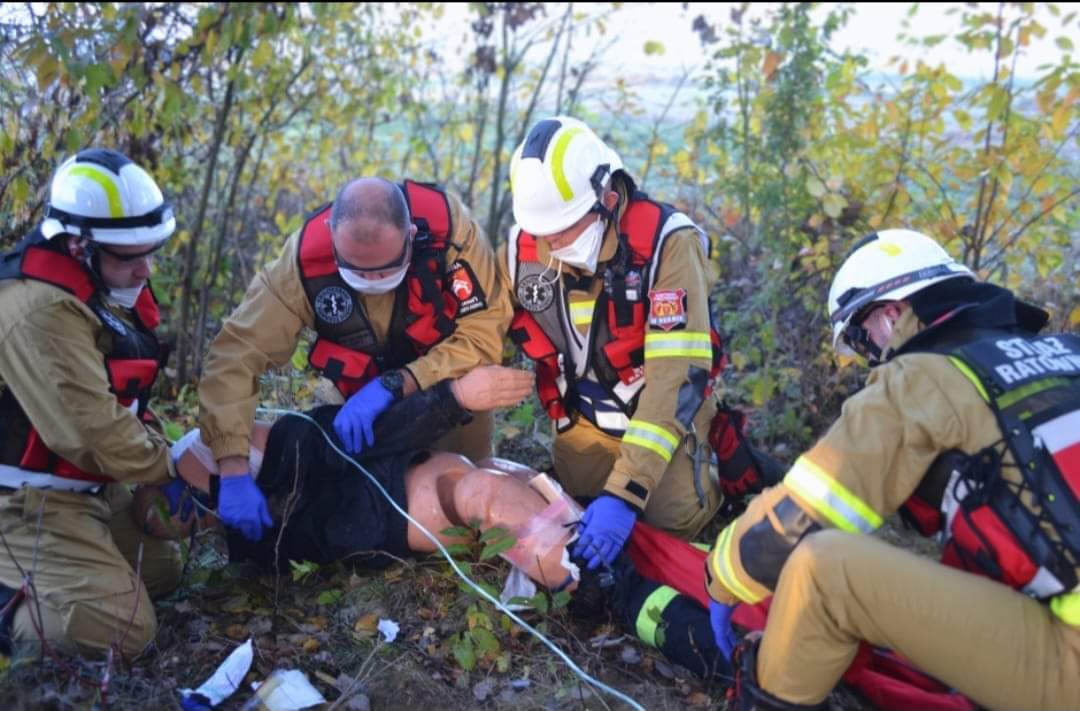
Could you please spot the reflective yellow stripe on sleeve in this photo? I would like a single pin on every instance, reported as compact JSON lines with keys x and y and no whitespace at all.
{"x":581,"y":312}
{"x":970,"y":375}
{"x":648,"y":618}
{"x":653,"y":438}
{"x":830,"y":498}
{"x":723,"y":567}
{"x":1067,"y":608}
{"x":685,"y":344}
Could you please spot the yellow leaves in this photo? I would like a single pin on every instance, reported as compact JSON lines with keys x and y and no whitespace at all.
{"x":263,"y":54}
{"x":1059,"y":121}
{"x":833,"y":205}
{"x":770,"y":64}
{"x":652,"y":47}
{"x":1074,"y":317}
{"x":815,"y":187}
{"x":684,"y":164}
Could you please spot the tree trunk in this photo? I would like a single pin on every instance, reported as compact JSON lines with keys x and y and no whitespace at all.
{"x":183,"y":335}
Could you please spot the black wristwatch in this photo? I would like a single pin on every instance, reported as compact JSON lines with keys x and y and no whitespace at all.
{"x":394,"y":381}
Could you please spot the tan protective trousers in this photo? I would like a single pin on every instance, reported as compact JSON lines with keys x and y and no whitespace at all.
{"x":86,"y":551}
{"x":472,"y":440}
{"x":1001,"y":648}
{"x":583,"y":457}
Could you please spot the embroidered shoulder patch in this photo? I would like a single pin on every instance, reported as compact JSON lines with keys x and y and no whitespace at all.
{"x":462,"y":283}
{"x":667,"y":309}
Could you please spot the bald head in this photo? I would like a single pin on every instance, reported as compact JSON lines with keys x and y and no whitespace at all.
{"x":373,"y":200}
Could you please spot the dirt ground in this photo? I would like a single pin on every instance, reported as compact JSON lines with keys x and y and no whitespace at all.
{"x":323,"y":622}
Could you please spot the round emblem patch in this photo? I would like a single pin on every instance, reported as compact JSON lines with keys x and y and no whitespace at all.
{"x":534,"y":293}
{"x":333,"y":304}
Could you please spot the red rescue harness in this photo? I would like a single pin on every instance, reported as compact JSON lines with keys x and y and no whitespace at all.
{"x":997,"y":526}
{"x":346,"y":349}
{"x":618,"y":352}
{"x":132,"y":364}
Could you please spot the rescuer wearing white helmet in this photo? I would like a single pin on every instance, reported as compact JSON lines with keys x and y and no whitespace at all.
{"x":611,"y":291}
{"x":78,"y":357}
{"x":969,"y":427}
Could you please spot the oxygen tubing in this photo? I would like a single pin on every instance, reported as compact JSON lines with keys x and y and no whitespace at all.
{"x":596,"y":683}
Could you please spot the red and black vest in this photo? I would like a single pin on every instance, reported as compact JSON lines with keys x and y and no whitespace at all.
{"x":615,"y":353}
{"x":1023,"y":529}
{"x":132,"y":364}
{"x":346,"y":349}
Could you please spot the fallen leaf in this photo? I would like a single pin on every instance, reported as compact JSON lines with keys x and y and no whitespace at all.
{"x":699,"y":698}
{"x":483,"y":689}
{"x":367,"y":624}
{"x":629,"y":655}
{"x":310,"y":645}
{"x":664,"y":669}
{"x":260,"y":626}
{"x":236,"y":632}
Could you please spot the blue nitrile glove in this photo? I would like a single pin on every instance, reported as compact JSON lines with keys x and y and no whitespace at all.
{"x":176,"y":492}
{"x":606,"y":525}
{"x":242,"y":505}
{"x":356,"y":418}
{"x":720,"y":617}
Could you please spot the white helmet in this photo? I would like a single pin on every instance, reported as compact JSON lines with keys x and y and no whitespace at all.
{"x":558,"y":174}
{"x":102,"y":195}
{"x":885,"y":266}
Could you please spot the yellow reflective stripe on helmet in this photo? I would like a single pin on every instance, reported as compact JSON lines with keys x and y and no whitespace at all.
{"x":558,"y":155}
{"x":1067,"y":607}
{"x":581,"y":312}
{"x":112,"y":194}
{"x":970,"y":375}
{"x":831,"y":498}
{"x":723,"y":567}
{"x":688,"y":344}
{"x":651,"y":437}
{"x":648,"y":617}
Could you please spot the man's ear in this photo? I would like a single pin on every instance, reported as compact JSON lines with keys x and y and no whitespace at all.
{"x":895,"y":309}
{"x":611,"y":199}
{"x":76,"y":246}
{"x":412,"y":230}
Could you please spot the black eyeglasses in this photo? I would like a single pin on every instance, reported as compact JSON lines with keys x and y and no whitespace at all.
{"x":396,"y":263}
{"x":121,"y":257}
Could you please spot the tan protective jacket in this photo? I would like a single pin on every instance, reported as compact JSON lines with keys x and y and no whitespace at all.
{"x":263,"y":332}
{"x":52,"y":358}
{"x":912,"y":409}
{"x":683,"y":264}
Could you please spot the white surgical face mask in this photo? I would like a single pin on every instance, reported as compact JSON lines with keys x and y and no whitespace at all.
{"x":372,"y":286}
{"x":584,"y":251}
{"x":125,"y":297}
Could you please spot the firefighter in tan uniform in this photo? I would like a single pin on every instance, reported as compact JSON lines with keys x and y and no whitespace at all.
{"x":401,"y":287}
{"x":964,"y":389}
{"x":611,"y":292}
{"x":77,"y":359}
